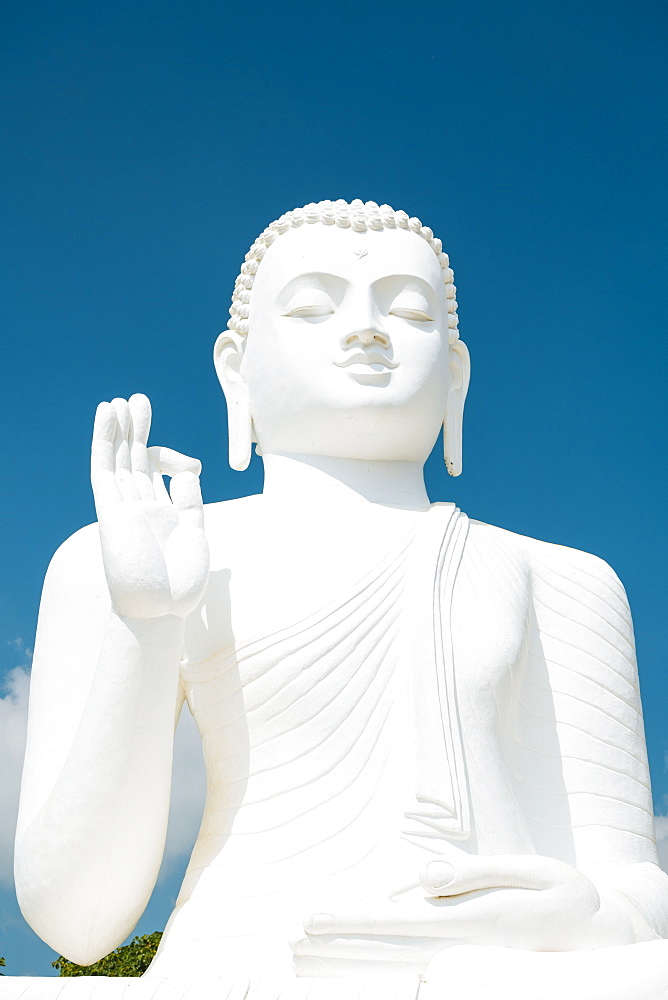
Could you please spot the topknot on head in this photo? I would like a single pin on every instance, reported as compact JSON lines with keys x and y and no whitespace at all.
{"x":357,"y":215}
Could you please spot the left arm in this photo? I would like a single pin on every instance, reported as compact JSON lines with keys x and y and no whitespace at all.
{"x":581,"y":686}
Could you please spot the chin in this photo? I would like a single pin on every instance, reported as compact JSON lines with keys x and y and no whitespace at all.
{"x":369,"y":431}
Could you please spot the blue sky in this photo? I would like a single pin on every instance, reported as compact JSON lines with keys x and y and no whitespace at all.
{"x":146,"y":144}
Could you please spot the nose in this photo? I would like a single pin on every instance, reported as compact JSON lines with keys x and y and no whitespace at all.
{"x":368,"y":336}
{"x":367,"y":331}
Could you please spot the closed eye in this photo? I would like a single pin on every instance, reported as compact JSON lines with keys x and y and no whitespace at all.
{"x":416,"y":315}
{"x":310,"y":310}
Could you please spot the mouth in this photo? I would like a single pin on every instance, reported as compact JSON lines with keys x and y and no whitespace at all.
{"x":367,"y":364}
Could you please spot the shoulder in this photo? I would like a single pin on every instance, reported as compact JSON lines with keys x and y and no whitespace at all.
{"x":78,"y":556}
{"x":582,"y":588}
{"x":567,"y":589}
{"x":224,"y":512}
{"x":495,"y":550}
{"x":83,"y":540}
{"x":590,"y":569}
{"x":230,"y":526}
{"x":579,"y":607}
{"x":75,"y":587}
{"x":546,"y":561}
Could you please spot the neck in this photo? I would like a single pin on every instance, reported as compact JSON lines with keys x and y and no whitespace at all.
{"x":309,"y":479}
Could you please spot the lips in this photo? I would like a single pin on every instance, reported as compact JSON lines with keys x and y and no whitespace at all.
{"x":373,"y":361}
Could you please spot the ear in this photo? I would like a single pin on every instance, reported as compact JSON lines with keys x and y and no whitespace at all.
{"x":228,"y":354}
{"x":460,"y":373}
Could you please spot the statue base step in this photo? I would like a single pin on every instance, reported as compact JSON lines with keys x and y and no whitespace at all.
{"x":633,"y":972}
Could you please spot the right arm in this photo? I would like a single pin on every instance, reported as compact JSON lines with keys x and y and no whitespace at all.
{"x":105,"y":696}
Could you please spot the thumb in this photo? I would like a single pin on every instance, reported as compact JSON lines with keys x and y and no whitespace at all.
{"x":469,"y":872}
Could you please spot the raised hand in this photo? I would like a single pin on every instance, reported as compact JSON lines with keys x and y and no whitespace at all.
{"x":155,"y":553}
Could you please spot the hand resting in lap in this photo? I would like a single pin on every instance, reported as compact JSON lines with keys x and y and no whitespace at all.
{"x":526,"y":902}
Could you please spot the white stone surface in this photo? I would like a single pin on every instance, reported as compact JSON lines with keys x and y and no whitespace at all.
{"x":423,"y":735}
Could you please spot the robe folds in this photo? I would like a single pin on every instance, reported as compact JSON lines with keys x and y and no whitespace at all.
{"x":407,"y":720}
{"x":347,"y":749}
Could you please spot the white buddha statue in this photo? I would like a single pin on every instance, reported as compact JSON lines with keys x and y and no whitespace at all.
{"x":422,"y":734}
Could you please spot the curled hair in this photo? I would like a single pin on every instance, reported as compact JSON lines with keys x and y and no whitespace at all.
{"x":356,"y":215}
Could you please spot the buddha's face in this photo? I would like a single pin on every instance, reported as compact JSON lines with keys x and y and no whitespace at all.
{"x":347,"y":353}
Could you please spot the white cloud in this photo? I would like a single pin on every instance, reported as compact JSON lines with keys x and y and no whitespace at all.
{"x":13,"y":717}
{"x":25,"y":652}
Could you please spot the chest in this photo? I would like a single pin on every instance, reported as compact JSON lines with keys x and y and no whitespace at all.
{"x":273,"y":577}
{"x":490,"y":615}
{"x":276,"y":572}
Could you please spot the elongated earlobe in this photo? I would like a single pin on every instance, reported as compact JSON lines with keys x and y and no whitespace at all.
{"x":227,"y":357}
{"x":460,"y":373}
{"x":240,"y":432}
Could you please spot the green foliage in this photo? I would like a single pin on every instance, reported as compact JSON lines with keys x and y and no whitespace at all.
{"x":2,"y":962}
{"x":129,"y":960}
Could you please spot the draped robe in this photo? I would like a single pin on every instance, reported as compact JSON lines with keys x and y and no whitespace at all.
{"x":475,"y":691}
{"x":347,"y":749}
{"x":322,"y":774}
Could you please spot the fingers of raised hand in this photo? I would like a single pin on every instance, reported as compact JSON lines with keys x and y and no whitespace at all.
{"x":126,"y":484}
{"x":102,"y":463}
{"x":122,"y":435}
{"x":139,"y":406}
{"x":119,"y":463}
{"x":170,"y":462}
{"x":124,"y":468}
{"x":166,"y":462}
{"x":104,"y":430}
{"x":140,"y":413}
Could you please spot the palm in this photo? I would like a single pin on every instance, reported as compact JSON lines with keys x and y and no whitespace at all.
{"x":154,"y":548}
